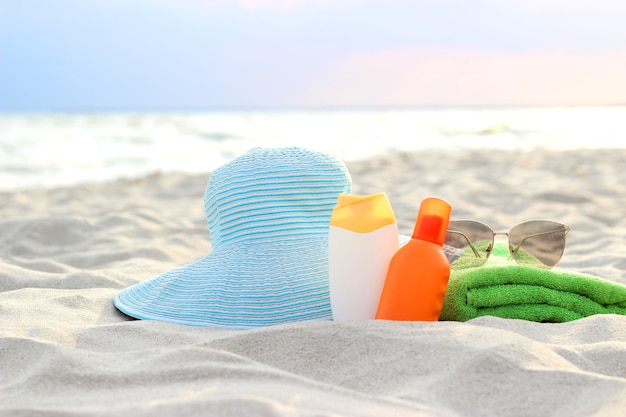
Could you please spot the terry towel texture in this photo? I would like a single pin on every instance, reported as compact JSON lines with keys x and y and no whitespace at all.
{"x":522,"y":292}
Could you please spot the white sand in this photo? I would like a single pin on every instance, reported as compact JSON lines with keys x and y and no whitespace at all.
{"x":65,"y":350}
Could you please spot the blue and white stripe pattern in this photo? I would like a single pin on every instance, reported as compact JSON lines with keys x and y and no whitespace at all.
{"x":268,"y":214}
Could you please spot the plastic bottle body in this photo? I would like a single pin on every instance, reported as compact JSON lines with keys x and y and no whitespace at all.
{"x":418,"y":274}
{"x":363,"y":237}
{"x":416,"y":285}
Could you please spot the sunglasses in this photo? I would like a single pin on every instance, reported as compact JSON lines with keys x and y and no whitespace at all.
{"x":536,"y":242}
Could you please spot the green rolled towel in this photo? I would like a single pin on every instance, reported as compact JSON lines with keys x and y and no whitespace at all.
{"x":504,"y":289}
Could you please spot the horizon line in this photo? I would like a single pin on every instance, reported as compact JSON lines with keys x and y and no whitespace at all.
{"x":261,"y":109}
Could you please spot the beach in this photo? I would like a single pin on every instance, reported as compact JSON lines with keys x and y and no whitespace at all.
{"x":66,"y":350}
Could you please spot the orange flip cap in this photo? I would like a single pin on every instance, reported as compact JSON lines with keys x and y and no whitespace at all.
{"x":432,"y":220}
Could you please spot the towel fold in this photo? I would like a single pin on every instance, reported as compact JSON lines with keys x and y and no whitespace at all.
{"x":529,"y":293}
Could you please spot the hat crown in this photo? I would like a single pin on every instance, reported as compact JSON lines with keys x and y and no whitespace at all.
{"x":275,"y":193}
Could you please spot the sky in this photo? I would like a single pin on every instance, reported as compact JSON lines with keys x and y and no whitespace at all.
{"x":153,"y":55}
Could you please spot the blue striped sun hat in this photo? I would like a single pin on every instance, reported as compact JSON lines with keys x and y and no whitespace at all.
{"x":268,"y":214}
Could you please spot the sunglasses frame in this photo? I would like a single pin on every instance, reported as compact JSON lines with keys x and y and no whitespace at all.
{"x":512,"y":251}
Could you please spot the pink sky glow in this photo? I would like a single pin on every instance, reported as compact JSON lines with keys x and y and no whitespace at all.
{"x":407,"y":77}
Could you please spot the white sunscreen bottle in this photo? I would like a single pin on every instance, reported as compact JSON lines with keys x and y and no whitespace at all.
{"x":363,"y":237}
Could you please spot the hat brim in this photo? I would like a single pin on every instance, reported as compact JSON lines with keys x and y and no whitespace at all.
{"x":239,"y":286}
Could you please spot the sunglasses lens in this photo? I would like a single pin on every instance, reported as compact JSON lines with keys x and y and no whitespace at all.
{"x":472,"y":242}
{"x":538,"y":242}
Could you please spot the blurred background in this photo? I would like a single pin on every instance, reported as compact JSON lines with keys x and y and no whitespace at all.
{"x":95,"y":90}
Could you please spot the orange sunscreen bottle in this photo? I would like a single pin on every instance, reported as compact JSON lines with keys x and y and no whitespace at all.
{"x":418,"y":273}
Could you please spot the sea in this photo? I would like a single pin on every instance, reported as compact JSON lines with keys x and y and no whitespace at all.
{"x":65,"y":149}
